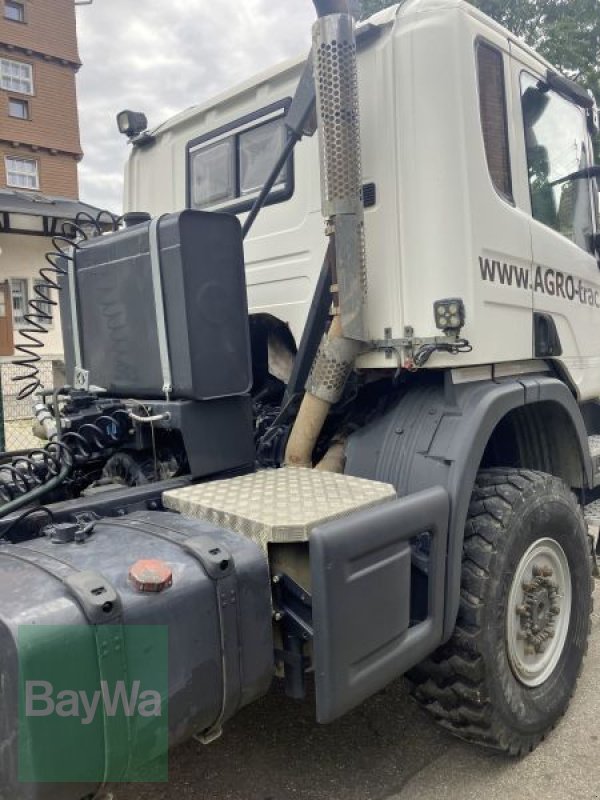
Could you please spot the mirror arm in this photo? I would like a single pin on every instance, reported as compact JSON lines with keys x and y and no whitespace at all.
{"x":588,"y":174}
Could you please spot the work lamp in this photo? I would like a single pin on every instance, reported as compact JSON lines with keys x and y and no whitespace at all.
{"x":132,"y":123}
{"x":449,"y":314}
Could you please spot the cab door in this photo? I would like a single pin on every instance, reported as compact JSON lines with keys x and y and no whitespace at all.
{"x":500,"y":220}
{"x":566,"y":275}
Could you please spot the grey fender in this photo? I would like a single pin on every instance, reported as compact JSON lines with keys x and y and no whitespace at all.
{"x":436,"y":434}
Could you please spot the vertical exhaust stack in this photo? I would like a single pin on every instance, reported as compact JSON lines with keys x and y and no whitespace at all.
{"x":336,"y":81}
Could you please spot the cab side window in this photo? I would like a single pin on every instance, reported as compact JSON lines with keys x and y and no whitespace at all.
{"x":228,"y":167}
{"x":556,"y":141}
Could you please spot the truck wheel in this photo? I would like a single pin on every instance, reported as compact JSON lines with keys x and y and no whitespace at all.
{"x":507,"y":675}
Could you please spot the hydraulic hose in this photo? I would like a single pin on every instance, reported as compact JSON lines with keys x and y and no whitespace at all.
{"x":40,"y":491}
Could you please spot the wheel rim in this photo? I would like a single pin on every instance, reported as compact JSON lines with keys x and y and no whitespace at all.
{"x":539,"y":611}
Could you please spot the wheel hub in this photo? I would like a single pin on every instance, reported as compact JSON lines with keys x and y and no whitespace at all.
{"x":538,"y":612}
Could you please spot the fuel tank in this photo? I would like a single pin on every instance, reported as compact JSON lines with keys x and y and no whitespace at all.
{"x":120,"y":638}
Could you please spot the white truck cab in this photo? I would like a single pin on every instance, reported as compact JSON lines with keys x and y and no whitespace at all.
{"x":466,"y":143}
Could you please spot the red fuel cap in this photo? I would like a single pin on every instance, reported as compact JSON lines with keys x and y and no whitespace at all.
{"x":150,"y":575}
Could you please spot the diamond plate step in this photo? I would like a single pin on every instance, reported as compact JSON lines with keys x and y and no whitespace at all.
{"x":278,"y":505}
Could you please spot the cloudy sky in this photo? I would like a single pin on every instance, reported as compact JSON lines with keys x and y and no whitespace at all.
{"x":161,"y":56}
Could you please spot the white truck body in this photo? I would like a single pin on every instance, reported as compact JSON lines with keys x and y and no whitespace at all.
{"x":439,"y":227}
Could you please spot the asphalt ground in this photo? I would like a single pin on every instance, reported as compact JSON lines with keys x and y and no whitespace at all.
{"x":388,"y":749}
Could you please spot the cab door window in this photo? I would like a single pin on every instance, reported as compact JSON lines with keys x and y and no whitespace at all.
{"x":557,"y":145}
{"x":494,"y":117}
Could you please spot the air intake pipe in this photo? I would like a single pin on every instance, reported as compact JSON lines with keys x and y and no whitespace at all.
{"x":336,"y":81}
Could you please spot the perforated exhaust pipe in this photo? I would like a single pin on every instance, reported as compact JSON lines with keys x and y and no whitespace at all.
{"x":338,"y":112}
{"x":336,"y":80}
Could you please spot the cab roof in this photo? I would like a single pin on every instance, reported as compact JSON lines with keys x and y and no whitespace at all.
{"x":382,"y":19}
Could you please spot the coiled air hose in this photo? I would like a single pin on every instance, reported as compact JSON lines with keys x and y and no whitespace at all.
{"x":27,"y":476}
{"x":37,"y":320}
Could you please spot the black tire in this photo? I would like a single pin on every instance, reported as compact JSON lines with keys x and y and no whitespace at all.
{"x":468,"y":685}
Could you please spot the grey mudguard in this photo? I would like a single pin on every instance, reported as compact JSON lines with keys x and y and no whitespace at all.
{"x":436,"y":435}
{"x":361,"y":593}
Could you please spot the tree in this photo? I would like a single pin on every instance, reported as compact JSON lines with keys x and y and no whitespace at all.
{"x":566,"y":32}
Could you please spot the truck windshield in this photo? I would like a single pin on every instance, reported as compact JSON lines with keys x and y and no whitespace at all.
{"x":557,"y":145}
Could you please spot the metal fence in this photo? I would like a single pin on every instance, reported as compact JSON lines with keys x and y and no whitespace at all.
{"x":17,"y":415}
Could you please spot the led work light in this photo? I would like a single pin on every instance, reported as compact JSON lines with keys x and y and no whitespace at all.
{"x":449,"y":314}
